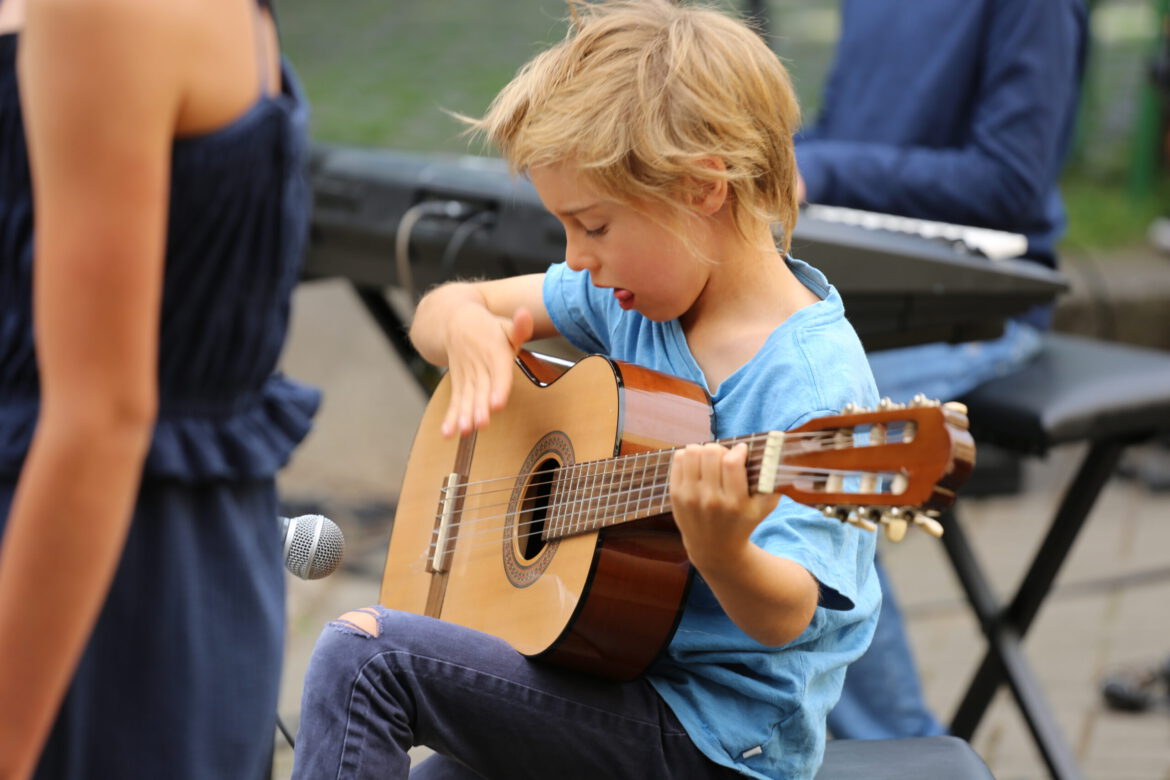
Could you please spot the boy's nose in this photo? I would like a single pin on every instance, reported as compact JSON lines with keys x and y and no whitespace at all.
{"x":577,"y":258}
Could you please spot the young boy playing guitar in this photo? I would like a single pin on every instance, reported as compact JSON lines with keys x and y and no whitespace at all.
{"x":661,"y":136}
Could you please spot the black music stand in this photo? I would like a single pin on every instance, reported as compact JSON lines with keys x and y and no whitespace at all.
{"x":1106,"y":395}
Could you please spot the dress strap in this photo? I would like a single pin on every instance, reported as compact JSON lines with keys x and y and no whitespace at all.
{"x":261,"y":42}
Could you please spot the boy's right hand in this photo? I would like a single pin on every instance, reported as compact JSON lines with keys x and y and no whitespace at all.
{"x":481,"y":348}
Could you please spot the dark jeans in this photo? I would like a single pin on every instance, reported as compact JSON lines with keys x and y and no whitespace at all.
{"x":488,"y":711}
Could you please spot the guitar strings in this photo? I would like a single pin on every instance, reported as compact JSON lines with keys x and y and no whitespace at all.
{"x":581,"y":496}
{"x":811,"y":437}
{"x":474,"y":539}
{"x":656,"y":492}
{"x":640,"y":496}
{"x":586,"y":483}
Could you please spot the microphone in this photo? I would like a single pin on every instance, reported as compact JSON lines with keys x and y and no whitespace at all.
{"x":313,"y":546}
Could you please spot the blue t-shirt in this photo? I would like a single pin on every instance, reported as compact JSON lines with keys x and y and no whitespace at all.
{"x":758,"y":709}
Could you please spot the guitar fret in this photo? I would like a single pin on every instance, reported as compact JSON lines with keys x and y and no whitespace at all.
{"x":594,"y":496}
{"x":653,"y":489}
{"x":632,"y":480}
{"x":600,"y":495}
{"x":638,"y":476}
{"x":597,"y":494}
{"x":620,"y":506}
{"x":664,"y":494}
{"x":617,"y":498}
{"x":552,"y":521}
{"x":583,"y":503}
{"x":607,"y":496}
{"x":578,"y":497}
{"x":586,"y":496}
{"x":635,"y":484}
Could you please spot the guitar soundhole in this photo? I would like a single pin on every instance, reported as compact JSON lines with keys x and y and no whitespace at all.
{"x":534,"y":510}
{"x":526,"y":553}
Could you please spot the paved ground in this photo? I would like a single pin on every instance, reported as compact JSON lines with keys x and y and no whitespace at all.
{"x":1108,"y":610}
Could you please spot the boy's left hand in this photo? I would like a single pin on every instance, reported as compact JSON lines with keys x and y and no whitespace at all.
{"x":711,"y":504}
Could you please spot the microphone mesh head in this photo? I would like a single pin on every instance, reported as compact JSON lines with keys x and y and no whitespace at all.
{"x":314,"y":548}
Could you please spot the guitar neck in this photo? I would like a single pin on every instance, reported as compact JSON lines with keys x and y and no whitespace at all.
{"x":894,"y":457}
{"x":597,"y":494}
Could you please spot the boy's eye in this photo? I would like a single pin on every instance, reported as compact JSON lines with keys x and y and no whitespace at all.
{"x":599,"y":231}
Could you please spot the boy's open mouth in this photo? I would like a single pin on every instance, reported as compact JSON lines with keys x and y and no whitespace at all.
{"x":625,"y":298}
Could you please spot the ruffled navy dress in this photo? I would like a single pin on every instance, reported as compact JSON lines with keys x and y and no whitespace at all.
{"x":180,"y":678}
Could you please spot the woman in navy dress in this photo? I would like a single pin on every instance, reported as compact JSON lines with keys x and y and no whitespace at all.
{"x":160,"y":145}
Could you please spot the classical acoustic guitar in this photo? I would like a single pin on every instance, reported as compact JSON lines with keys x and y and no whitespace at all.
{"x":551,"y":527}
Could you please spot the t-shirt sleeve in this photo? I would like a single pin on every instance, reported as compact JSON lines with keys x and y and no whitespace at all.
{"x":577,"y":311}
{"x":828,"y":549}
{"x":832,"y":551}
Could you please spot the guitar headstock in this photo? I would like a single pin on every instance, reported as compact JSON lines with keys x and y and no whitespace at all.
{"x":897,"y":465}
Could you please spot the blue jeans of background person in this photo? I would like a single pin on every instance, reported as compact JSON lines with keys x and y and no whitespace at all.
{"x":882,"y":698}
{"x":485,"y":709}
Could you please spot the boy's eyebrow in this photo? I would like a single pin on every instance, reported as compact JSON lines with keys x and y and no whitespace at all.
{"x":578,"y":210}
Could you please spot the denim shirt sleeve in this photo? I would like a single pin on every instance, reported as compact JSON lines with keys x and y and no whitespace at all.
{"x":1006,"y":139}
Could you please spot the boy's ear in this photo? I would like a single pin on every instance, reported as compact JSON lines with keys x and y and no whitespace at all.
{"x":710,"y":195}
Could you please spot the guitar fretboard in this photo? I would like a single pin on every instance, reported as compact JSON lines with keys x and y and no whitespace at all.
{"x":596,"y":494}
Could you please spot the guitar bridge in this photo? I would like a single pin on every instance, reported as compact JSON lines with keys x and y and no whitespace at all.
{"x":440,"y":557}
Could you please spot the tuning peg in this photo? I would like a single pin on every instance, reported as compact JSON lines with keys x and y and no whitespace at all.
{"x":859,"y":519}
{"x":832,"y":512}
{"x":886,"y":404}
{"x":894,"y":523}
{"x":852,"y":408}
{"x":958,"y":414}
{"x":922,"y":400}
{"x":895,"y":528}
{"x":929,"y":524}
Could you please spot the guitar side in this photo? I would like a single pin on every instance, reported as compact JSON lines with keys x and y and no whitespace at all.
{"x":603,"y":602}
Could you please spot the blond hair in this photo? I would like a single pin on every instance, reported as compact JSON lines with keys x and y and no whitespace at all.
{"x":641,"y":94}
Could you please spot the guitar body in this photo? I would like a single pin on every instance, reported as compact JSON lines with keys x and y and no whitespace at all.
{"x":604,"y":601}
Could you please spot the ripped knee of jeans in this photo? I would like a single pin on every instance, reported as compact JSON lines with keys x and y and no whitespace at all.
{"x":359,"y":621}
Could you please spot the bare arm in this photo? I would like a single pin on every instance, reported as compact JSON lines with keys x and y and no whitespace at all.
{"x":100,"y":123}
{"x":476,"y":328}
{"x":772,"y":599}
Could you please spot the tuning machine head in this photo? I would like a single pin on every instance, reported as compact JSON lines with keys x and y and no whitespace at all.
{"x":928,"y":523}
{"x":833,"y":512}
{"x":897,"y":520}
{"x":895,"y":523}
{"x":857,"y":516}
{"x":863,"y":518}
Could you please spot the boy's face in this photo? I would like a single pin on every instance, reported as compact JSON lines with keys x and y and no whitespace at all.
{"x":624,"y":249}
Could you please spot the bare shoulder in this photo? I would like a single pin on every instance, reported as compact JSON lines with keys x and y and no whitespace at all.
{"x":101,"y":33}
{"x":108,"y":16}
{"x":155,"y":26}
{"x":96,"y":58}
{"x":194,"y":61}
